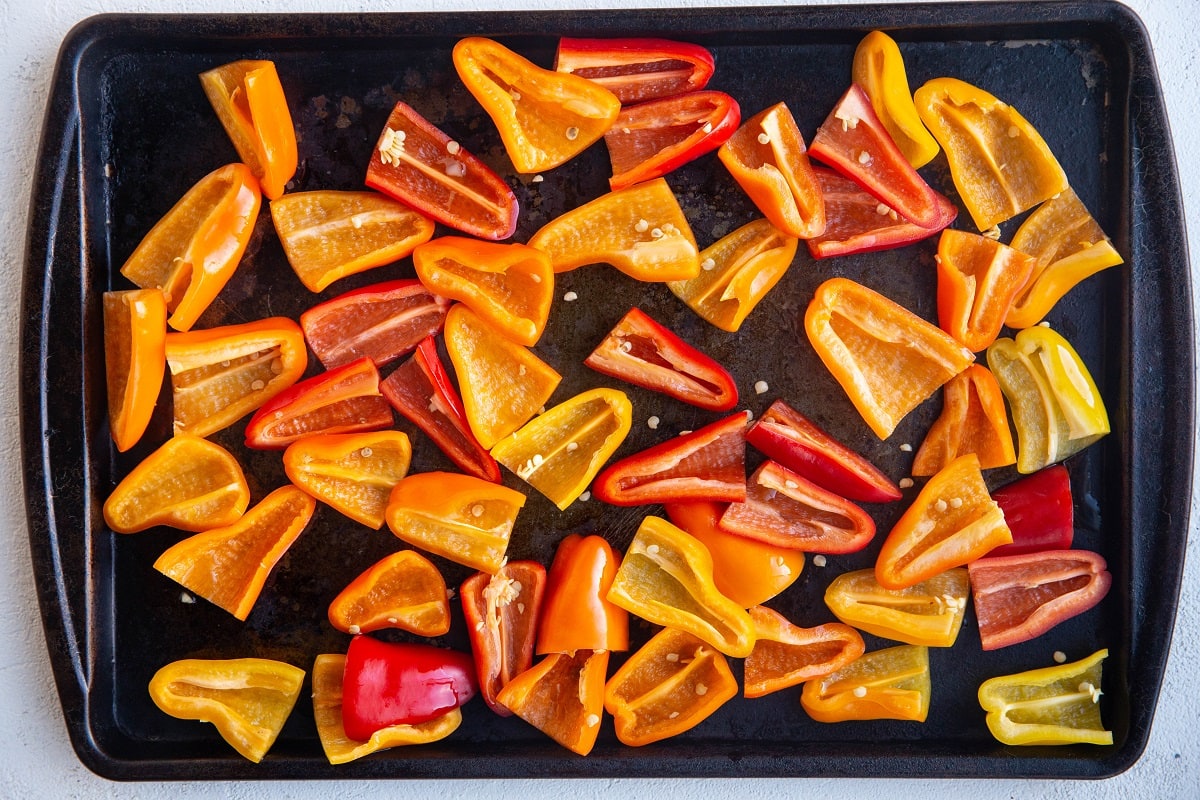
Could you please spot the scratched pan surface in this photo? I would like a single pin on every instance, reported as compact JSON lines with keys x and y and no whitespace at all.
{"x":128,"y":131}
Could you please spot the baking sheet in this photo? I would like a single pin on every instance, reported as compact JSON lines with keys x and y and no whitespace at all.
{"x":128,"y":131}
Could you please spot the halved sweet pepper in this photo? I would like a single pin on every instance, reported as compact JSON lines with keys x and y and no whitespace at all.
{"x":1039,"y":512}
{"x":785,"y":654}
{"x":644,"y":353}
{"x":886,"y":358}
{"x":706,"y":464}
{"x":884,"y":684}
{"x":251,"y":105}
{"x":403,"y":590}
{"x":502,"y":613}
{"x":1000,"y":164}
{"x":929,"y":613}
{"x":1048,"y":706}
{"x":577,"y":614}
{"x":351,"y":472}
{"x":1056,"y":407}
{"x":666,"y":577}
{"x":978,"y":279}
{"x":545,"y":118}
{"x":135,"y":329}
{"x":879,"y":69}
{"x":973,"y":420}
{"x":193,"y":250}
{"x":670,"y":685}
{"x":636,"y":69}
{"x":952,"y":522}
{"x":562,"y":696}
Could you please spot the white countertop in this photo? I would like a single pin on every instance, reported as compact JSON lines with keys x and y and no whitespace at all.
{"x":38,"y":760}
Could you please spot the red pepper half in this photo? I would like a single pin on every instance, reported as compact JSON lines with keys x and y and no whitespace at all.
{"x":342,"y":400}
{"x":420,"y":389}
{"x":401,"y":684}
{"x":707,"y":464}
{"x":502,"y":613}
{"x":419,"y":165}
{"x":1020,"y":597}
{"x":787,"y":510}
{"x":789,"y":437}
{"x":636,"y":70}
{"x":382,"y":321}
{"x":644,"y":353}
{"x":857,"y":222}
{"x":853,"y":141}
{"x":650,"y":139}
{"x":1039,"y":512}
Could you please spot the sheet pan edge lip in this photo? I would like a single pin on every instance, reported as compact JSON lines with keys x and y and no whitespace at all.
{"x":85,"y":33}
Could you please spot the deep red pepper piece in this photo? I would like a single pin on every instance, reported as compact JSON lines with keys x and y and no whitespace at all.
{"x":651,"y":139}
{"x":853,"y":141}
{"x":706,"y":464}
{"x":341,"y":400}
{"x":641,"y":351}
{"x":1039,"y":512}
{"x":388,"y":684}
{"x":636,"y":70}
{"x":856,"y":222}
{"x":796,"y":442}
{"x":420,"y":389}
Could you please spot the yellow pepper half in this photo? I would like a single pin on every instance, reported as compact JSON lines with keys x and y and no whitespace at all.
{"x":1053,"y":705}
{"x":879,"y":69}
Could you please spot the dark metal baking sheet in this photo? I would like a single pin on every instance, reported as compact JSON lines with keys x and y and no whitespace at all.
{"x":128,"y":130}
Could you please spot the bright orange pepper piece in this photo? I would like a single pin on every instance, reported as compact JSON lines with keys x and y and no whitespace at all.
{"x":460,"y":517}
{"x":247,"y":699}
{"x":670,"y":685}
{"x":328,"y":234}
{"x":545,"y":118}
{"x":403,"y":590}
{"x":640,"y":230}
{"x":973,"y":420}
{"x":251,"y":105}
{"x":884,"y":684}
{"x":576,"y":612}
{"x":785,"y":654}
{"x":666,"y":578}
{"x":192,"y":252}
{"x":886,"y":357}
{"x":228,"y":566}
{"x":135,"y":330}
{"x":353,"y":473}
{"x":221,"y":374}
{"x":952,"y":522}
{"x":188,"y":483}
{"x":978,"y":279}
{"x":510,"y":286}
{"x":327,"y":713}
{"x":562,"y":696}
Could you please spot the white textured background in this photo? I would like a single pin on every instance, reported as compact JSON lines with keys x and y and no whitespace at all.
{"x":36,"y":760}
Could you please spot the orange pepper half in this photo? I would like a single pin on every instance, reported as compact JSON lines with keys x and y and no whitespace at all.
{"x":192,"y":252}
{"x":460,"y":517}
{"x":952,"y":522}
{"x":135,"y":329}
{"x":328,"y":234}
{"x":640,"y":230}
{"x":562,"y":696}
{"x":670,"y":685}
{"x":403,"y":590}
{"x":508,"y":285}
{"x":884,"y":684}
{"x":250,"y":103}
{"x":545,"y":118}
{"x":188,"y":483}
{"x":666,"y":578}
{"x":327,"y":713}
{"x":887,"y":359}
{"x":559,"y":452}
{"x":973,"y":420}
{"x":978,"y":279}
{"x":247,"y":699}
{"x":221,"y":374}
{"x":785,"y":654}
{"x":228,"y":566}
{"x":576,"y":612}
{"x":353,"y":473}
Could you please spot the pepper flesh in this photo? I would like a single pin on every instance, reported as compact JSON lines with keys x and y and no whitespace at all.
{"x":879,"y":69}
{"x":351,"y":472}
{"x":670,"y":685}
{"x":135,"y":324}
{"x":884,"y":684}
{"x":502,"y":613}
{"x":1048,"y":706}
{"x":249,"y":100}
{"x":562,"y":696}
{"x":666,"y":577}
{"x":973,"y":420}
{"x":193,"y":250}
{"x":403,"y":590}
{"x":1000,"y":164}
{"x":576,"y":613}
{"x":247,"y":699}
{"x":545,"y":118}
{"x":929,"y":613}
{"x":785,"y":654}
{"x":636,"y":69}
{"x":768,"y":159}
{"x":1039,"y":512}
{"x":887,"y":359}
{"x":228,"y":566}
{"x":952,"y":522}
{"x":978,"y":279}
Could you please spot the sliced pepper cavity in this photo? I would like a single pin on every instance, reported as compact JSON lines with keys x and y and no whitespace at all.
{"x":977,"y":280}
{"x":929,"y":613}
{"x":562,"y":696}
{"x":892,"y":683}
{"x":403,"y":590}
{"x":353,"y":473}
{"x":785,"y":654}
{"x":636,"y":69}
{"x":502,"y":613}
{"x":1048,"y":706}
{"x":973,"y":420}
